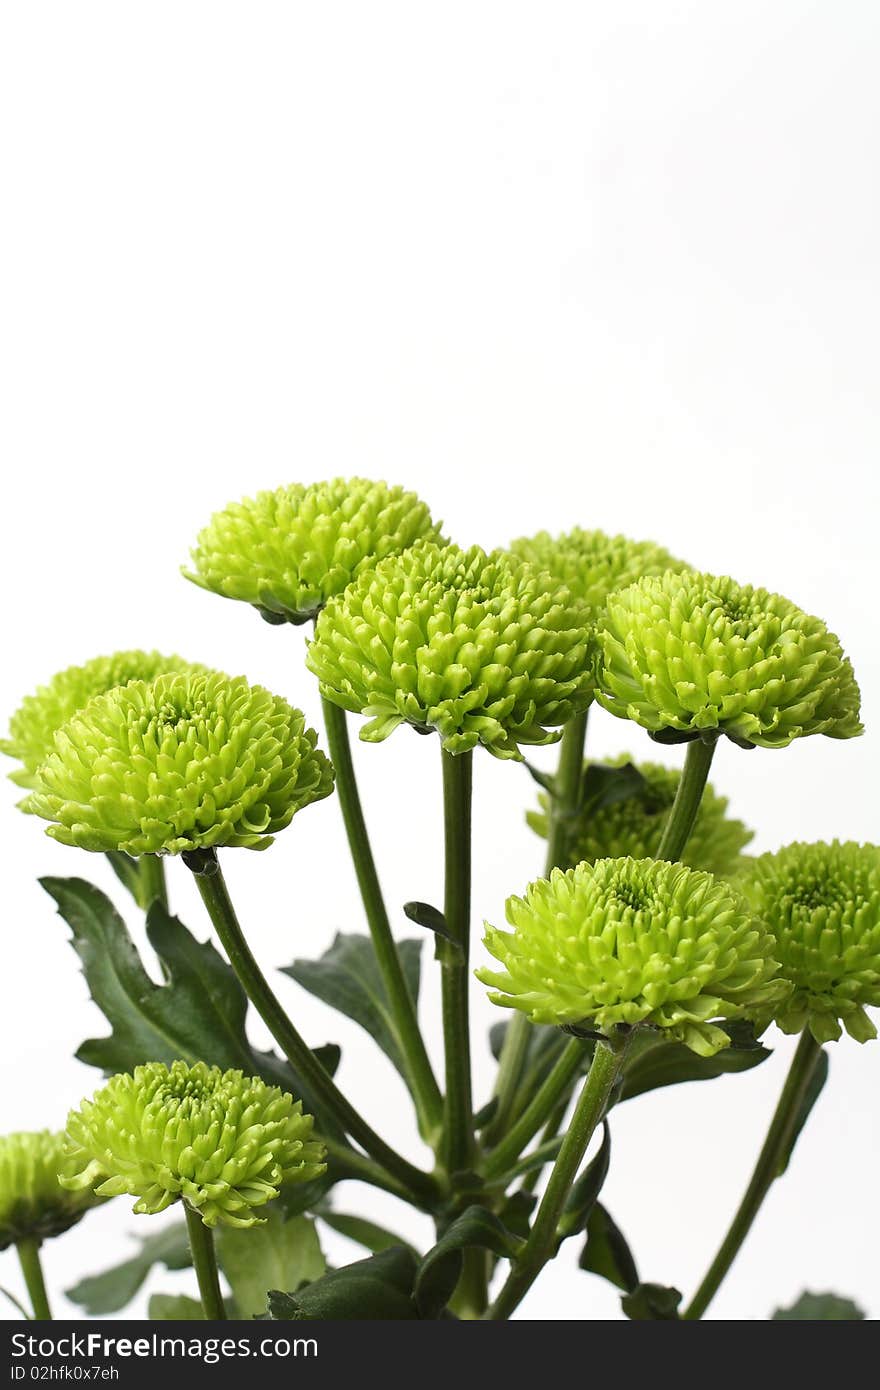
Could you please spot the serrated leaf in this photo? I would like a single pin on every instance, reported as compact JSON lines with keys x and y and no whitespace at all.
{"x":606,"y":1251}
{"x":820,"y":1307}
{"x":282,"y":1254}
{"x":376,"y":1289}
{"x":440,"y":1270}
{"x":174,"y":1307}
{"x":347,"y":977}
{"x":585,"y":1192}
{"x":100,"y":1294}
{"x":198,"y":1013}
{"x":652,"y":1303}
{"x":366,"y":1233}
{"x":811,"y":1095}
{"x":673,"y":1064}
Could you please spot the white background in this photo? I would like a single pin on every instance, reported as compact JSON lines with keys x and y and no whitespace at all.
{"x":613,"y":265}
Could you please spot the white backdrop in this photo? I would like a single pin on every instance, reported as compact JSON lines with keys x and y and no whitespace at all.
{"x":548,"y":264}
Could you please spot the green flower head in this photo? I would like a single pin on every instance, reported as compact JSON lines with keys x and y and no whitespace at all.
{"x":33,"y":1204}
{"x":634,"y":941}
{"x":592,"y":564}
{"x":180,"y":763}
{"x":222,"y":1142}
{"x":287,"y":552}
{"x":693,"y":656}
{"x":32,"y":727}
{"x":822,"y":904}
{"x":630,"y":821}
{"x":479,"y":647}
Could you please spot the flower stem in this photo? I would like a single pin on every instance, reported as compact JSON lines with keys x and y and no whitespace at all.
{"x":32,"y":1269}
{"x":542,"y":1105}
{"x":779,"y":1135}
{"x":541,"y":1244}
{"x":564,"y":805}
{"x":422,"y":1082}
{"x":153,"y":887}
{"x":458,"y":1123}
{"x":201,"y":1243}
{"x":212,"y":887}
{"x":678,"y":827}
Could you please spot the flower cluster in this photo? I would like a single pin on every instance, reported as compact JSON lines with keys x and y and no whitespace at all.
{"x":481,"y":648}
{"x":33,"y":1204}
{"x":821,"y":902}
{"x":180,"y":763}
{"x":220,"y":1141}
{"x":288,"y":551}
{"x":33,"y":726}
{"x":592,"y":564}
{"x":634,"y":824}
{"x":634,"y":941}
{"x":693,"y":655}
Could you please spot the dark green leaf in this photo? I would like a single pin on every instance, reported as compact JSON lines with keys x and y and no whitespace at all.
{"x":585,"y":1192}
{"x":174,"y":1307}
{"x":486,"y":1114}
{"x":366,"y":1233}
{"x":347,"y":977}
{"x":105,"y":1293}
{"x":377,"y":1289}
{"x":281,"y":1254}
{"x":543,"y":779}
{"x":197,"y":1014}
{"x":516,"y":1212}
{"x":811,"y":1095}
{"x":440,"y":1269}
{"x":607,"y":1253}
{"x":604,"y":786}
{"x":431,"y":918}
{"x":820,"y":1307}
{"x":651,"y":1303}
{"x":670,"y":1063}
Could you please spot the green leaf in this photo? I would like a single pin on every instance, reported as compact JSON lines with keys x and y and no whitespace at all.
{"x":651,"y":1303}
{"x":174,"y":1307}
{"x":811,"y":1095}
{"x":366,"y":1233}
{"x":127,"y":870}
{"x":543,"y":779}
{"x":376,"y":1289}
{"x":585,"y":1193}
{"x":105,"y":1293}
{"x":603,"y":786}
{"x":440,"y":1269}
{"x":278,"y":1255}
{"x":15,"y":1303}
{"x":347,"y":977}
{"x":607,"y":1253}
{"x":197,"y":1014}
{"x":820,"y":1307}
{"x":670,"y":1063}
{"x":432,"y":919}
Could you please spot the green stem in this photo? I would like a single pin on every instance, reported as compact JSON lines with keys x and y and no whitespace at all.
{"x":541,"y":1244}
{"x":678,"y":827}
{"x":347,"y":1162}
{"x":544,"y":1102}
{"x":153,"y":887}
{"x":201,"y":1243}
{"x":564,"y":805}
{"x":779,"y":1136}
{"x":422,"y":1082}
{"x":32,"y":1269}
{"x":458,"y":1122}
{"x":212,"y":887}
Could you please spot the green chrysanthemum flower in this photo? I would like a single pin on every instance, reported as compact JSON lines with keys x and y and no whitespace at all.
{"x":634,"y":941}
{"x":481,"y":648}
{"x":593,"y":565}
{"x":32,"y":727}
{"x":633,"y":825}
{"x":692,"y":655}
{"x":287,"y":552}
{"x":180,"y":763}
{"x":222,"y":1142}
{"x":33,"y":1204}
{"x":822,"y":904}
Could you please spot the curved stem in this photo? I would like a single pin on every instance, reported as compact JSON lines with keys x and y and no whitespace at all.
{"x":564,"y":805}
{"x":212,"y":887}
{"x":32,"y":1269}
{"x":153,"y":887}
{"x":543,"y":1104}
{"x":458,"y":1121}
{"x":541,"y":1244}
{"x":779,"y":1135}
{"x":422,"y":1082}
{"x":201,"y":1243}
{"x":678,"y":827}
